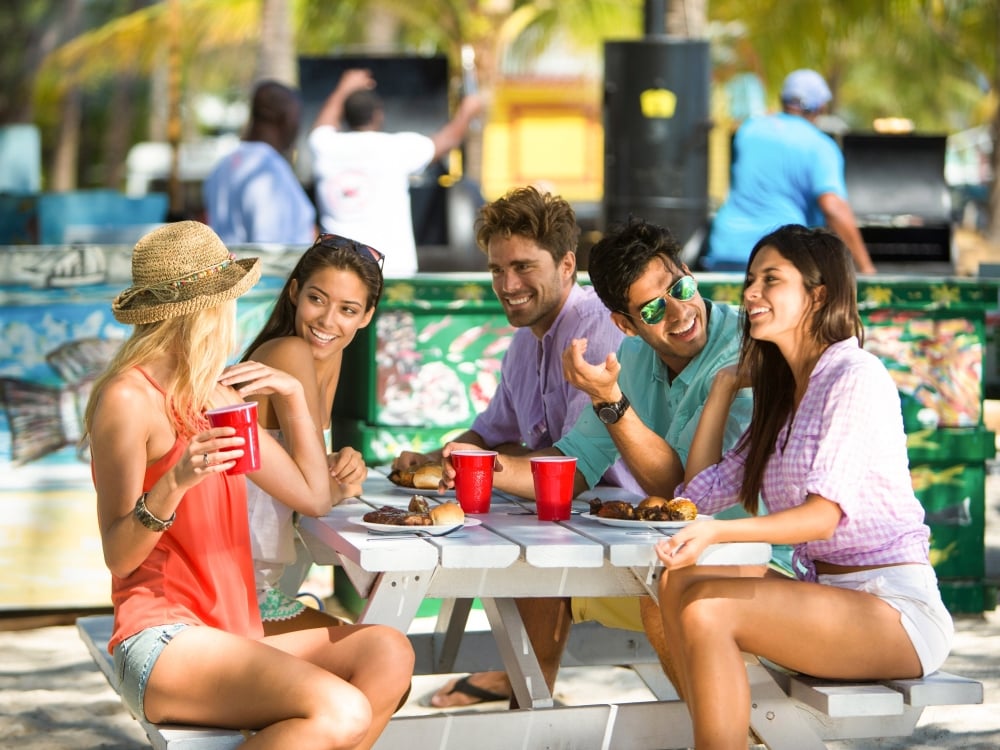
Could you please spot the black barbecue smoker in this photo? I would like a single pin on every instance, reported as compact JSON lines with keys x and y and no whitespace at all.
{"x":897,"y":189}
{"x":656,"y":125}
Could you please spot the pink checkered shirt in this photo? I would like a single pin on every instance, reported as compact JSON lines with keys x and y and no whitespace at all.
{"x":845,"y":443}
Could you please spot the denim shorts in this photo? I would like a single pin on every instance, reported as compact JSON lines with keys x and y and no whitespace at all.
{"x":913,"y":591}
{"x":134,"y":659}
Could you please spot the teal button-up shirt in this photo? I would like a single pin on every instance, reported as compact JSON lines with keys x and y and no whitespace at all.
{"x":670,"y":409}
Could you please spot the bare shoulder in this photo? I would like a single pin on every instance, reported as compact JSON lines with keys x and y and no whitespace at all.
{"x":276,"y":351}
{"x":128,"y":392}
{"x":129,"y":412}
{"x":289,"y":353}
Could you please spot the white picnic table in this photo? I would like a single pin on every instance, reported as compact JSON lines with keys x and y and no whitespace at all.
{"x":511,"y":554}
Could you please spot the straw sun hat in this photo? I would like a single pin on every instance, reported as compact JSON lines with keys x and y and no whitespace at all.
{"x":181,"y":268}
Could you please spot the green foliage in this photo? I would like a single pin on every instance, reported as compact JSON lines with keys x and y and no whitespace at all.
{"x":922,"y":59}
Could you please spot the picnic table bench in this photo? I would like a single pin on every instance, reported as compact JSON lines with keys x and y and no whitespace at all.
{"x":835,"y":710}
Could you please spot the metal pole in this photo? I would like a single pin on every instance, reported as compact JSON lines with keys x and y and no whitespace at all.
{"x":655,"y":17}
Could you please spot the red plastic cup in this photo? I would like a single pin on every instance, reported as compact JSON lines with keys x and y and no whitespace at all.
{"x":244,"y":418}
{"x":553,"y":477}
{"x":474,"y":479}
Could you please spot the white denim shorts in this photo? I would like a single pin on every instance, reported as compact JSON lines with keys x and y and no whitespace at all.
{"x":134,"y":659}
{"x":913,"y":591}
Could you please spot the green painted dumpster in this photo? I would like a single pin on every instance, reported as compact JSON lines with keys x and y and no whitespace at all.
{"x":430,"y":360}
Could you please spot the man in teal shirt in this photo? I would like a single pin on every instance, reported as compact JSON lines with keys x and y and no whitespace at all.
{"x":647,"y":399}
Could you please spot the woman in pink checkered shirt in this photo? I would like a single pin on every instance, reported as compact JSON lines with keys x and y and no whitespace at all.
{"x":826,"y":453}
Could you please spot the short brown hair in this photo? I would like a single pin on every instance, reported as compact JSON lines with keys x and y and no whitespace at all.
{"x":546,"y":219}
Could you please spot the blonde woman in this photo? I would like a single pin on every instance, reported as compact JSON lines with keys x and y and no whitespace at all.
{"x":187,"y":642}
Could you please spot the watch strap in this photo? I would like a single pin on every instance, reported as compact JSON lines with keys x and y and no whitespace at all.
{"x":610,"y":412}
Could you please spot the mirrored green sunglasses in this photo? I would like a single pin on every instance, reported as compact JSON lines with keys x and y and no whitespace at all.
{"x":682,"y":290}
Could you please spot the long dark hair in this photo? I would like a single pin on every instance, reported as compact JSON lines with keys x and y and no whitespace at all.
{"x":824,"y":261}
{"x":329,"y":251}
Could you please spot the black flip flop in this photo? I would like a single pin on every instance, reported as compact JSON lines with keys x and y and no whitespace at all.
{"x":485,"y":696}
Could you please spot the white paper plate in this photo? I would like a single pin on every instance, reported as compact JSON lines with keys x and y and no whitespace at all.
{"x":394,"y":529}
{"x":632,"y":524}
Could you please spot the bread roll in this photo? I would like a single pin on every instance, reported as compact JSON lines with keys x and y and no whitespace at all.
{"x":427,"y":477}
{"x":447,"y":514}
{"x":652,"y":502}
{"x":682,"y":509}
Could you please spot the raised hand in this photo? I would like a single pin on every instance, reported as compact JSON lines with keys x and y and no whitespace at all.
{"x":600,"y":381}
{"x":250,"y":378}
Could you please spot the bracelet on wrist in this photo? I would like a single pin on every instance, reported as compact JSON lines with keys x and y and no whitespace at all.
{"x":147,"y":519}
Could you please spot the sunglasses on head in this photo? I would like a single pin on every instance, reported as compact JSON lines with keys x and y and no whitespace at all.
{"x":336,"y":242}
{"x":682,"y":290}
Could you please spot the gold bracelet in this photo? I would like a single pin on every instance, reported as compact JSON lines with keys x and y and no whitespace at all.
{"x":147,"y":519}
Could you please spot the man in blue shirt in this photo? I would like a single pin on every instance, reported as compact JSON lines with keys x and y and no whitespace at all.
{"x":647,"y":399}
{"x":785,"y":171}
{"x":253,"y":194}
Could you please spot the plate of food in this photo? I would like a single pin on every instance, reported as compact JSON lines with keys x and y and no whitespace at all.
{"x":426,"y":477}
{"x":416,"y":517}
{"x":432,"y":529}
{"x":652,"y":512}
{"x":633,"y":523}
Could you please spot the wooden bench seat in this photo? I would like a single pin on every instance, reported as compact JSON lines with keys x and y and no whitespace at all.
{"x":832,"y":710}
{"x":95,"y":631}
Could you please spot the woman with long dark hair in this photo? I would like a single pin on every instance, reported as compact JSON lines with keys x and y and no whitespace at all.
{"x":330,"y":295}
{"x":826,"y":453}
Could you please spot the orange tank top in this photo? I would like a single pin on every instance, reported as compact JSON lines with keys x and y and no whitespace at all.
{"x":201,"y":570}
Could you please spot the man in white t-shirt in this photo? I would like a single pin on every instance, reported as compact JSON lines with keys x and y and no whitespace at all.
{"x":253,"y":194}
{"x":363,"y":174}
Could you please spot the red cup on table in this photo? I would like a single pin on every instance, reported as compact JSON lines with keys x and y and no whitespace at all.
{"x":473,"y":479}
{"x":244,"y":418}
{"x":553,"y":477}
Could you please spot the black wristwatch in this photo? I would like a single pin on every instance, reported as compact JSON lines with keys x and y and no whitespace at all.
{"x":610,"y":412}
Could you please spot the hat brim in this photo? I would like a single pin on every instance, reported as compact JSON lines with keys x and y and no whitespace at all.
{"x":228,"y":284}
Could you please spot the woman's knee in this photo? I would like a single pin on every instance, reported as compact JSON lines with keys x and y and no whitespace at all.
{"x":701,"y":608}
{"x":386,"y":655}
{"x":391,"y":647}
{"x":341,"y":714}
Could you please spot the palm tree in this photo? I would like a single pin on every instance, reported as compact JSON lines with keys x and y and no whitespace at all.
{"x":170,"y":36}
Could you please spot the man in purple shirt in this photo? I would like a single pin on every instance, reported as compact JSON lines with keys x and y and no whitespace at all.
{"x":530,"y":241}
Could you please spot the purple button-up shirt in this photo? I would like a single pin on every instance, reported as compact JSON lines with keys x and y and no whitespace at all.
{"x":845,"y":443}
{"x":534,"y":404}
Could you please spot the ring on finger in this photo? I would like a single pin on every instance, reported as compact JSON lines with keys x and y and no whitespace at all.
{"x":207,"y":462}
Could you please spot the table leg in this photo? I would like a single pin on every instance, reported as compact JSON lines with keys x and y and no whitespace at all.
{"x":518,"y":655}
{"x":395,"y":598}
{"x":452,"y":619}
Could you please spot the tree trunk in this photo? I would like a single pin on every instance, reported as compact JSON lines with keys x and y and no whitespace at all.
{"x":118,"y":136}
{"x":276,"y":58}
{"x":175,"y":190}
{"x":63,"y":171}
{"x":63,"y":168}
{"x":686,"y":18}
{"x":993,"y":223}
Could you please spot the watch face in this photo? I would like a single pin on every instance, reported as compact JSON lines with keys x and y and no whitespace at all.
{"x":608,"y":414}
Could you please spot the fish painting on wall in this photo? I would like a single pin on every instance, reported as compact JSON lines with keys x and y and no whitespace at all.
{"x":43,"y":419}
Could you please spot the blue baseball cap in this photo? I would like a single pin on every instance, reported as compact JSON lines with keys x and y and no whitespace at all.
{"x":806,"y":89}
